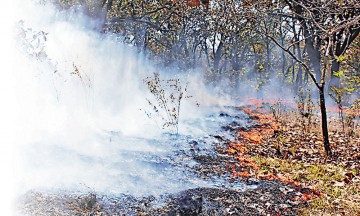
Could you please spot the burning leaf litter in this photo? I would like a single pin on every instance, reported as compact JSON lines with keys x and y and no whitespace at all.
{"x":289,"y":153}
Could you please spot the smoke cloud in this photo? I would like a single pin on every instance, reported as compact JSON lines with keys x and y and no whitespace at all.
{"x":76,"y":110}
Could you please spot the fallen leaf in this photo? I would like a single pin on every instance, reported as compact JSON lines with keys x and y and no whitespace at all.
{"x":339,"y":184}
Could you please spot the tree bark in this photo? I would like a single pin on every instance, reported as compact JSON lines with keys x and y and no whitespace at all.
{"x":324,"y":121}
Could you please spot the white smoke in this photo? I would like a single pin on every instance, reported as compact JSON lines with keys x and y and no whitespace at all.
{"x":7,"y":112}
{"x":78,"y":117}
{"x":73,"y":86}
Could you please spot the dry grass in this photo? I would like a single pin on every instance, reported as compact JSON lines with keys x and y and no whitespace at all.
{"x":338,"y":194}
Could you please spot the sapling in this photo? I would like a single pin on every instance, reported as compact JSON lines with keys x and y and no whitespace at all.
{"x":337,"y":95}
{"x":168,"y":95}
{"x":276,"y":110}
{"x":305,"y":108}
{"x":353,"y":113}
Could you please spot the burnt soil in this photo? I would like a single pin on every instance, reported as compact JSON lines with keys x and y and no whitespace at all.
{"x":269,"y":198}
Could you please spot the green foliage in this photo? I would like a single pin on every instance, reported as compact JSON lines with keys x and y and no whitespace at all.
{"x":340,"y":58}
{"x":339,"y":73}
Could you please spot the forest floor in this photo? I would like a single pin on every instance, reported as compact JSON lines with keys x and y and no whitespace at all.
{"x":281,"y":155}
{"x":287,"y":145}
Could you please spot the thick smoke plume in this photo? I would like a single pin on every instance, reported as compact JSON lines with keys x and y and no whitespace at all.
{"x":77,"y":113}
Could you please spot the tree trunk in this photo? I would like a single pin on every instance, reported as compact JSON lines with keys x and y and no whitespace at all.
{"x":217,"y":56}
{"x":217,"y":59}
{"x":299,"y":77}
{"x":324,"y":121}
{"x":268,"y":53}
